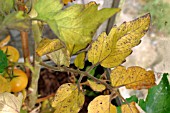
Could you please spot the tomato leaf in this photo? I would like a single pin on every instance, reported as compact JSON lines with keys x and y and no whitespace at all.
{"x":5,"y":85}
{"x":9,"y":103}
{"x":6,"y":6}
{"x":130,"y":100}
{"x":111,"y":50}
{"x":68,"y":99}
{"x":158,"y":99}
{"x":60,"y":57}
{"x":16,"y":20}
{"x":95,"y":86}
{"x":3,"y":61}
{"x":46,"y":9}
{"x":133,"y":78}
{"x":47,"y":46}
{"x":77,"y":24}
{"x":131,"y":108}
{"x":101,"y":104}
{"x":80,"y":60}
{"x":74,"y":25}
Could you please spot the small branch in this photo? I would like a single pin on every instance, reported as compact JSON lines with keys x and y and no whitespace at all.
{"x":44,"y":98}
{"x":65,"y":69}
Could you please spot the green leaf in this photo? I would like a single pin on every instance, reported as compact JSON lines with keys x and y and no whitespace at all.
{"x":79,"y":61}
{"x":46,"y":9}
{"x":158,"y":98}
{"x":77,"y":24}
{"x":16,"y":20}
{"x":112,"y":49}
{"x":6,"y":6}
{"x":3,"y":61}
{"x":74,"y":25}
{"x":132,"y":99}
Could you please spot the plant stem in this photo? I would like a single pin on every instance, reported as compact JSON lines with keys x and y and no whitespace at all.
{"x":24,"y":40}
{"x":35,"y":76}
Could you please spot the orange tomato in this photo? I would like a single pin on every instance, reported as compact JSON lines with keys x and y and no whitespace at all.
{"x":19,"y":81}
{"x":13,"y":54}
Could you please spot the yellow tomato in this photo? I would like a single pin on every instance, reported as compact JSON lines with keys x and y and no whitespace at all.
{"x":13,"y":54}
{"x":19,"y":81}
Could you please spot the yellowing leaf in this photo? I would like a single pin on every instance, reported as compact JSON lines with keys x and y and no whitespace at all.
{"x":68,"y":99}
{"x":101,"y":104}
{"x":60,"y":57}
{"x":95,"y":86}
{"x":5,"y":41}
{"x":79,"y":61}
{"x":9,"y":103}
{"x":112,"y":50}
{"x":131,"y":108}
{"x":133,"y":78}
{"x":47,"y":46}
{"x":76,"y":25}
{"x":5,"y":85}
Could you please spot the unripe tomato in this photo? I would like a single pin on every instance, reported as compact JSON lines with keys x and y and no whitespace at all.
{"x":12,"y":52}
{"x":19,"y":81}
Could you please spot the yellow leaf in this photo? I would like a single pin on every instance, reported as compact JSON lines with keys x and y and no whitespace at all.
{"x":47,"y":46}
{"x":101,"y":104}
{"x":5,"y":85}
{"x":5,"y":41}
{"x":112,"y":50}
{"x":68,"y":99}
{"x":9,"y":103}
{"x":60,"y":57}
{"x":79,"y":61}
{"x":133,"y":78}
{"x":95,"y":86}
{"x":131,"y":108}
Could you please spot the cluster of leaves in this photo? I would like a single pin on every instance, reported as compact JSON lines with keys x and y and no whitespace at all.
{"x":159,"y":11}
{"x":75,"y":27}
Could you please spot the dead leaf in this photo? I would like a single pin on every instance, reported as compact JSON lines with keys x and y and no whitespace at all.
{"x":47,"y":46}
{"x":67,"y":99}
{"x":133,"y":78}
{"x":101,"y":104}
{"x":5,"y":41}
{"x":9,"y":103}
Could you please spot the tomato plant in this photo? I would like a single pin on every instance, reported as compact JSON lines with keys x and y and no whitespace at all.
{"x":74,"y":26}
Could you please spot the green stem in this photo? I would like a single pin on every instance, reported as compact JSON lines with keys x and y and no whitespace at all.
{"x":35,"y":76}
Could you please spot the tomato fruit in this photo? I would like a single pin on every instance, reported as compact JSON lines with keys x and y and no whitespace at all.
{"x":12,"y":52}
{"x":19,"y":80}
